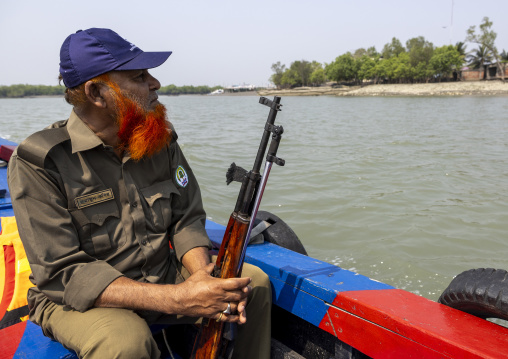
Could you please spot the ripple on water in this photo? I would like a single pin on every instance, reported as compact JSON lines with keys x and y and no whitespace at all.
{"x":409,"y":191}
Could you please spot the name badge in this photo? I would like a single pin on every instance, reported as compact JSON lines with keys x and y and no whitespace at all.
{"x":94,"y":198}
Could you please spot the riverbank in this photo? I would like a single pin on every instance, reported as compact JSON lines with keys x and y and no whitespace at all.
{"x":462,"y":88}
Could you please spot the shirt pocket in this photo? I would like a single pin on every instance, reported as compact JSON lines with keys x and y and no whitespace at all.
{"x":158,"y":197}
{"x":97,"y":226}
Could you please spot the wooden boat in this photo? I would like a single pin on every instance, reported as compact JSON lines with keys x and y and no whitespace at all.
{"x":319,"y":310}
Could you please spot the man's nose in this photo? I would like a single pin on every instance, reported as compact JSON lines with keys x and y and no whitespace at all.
{"x":154,"y":83}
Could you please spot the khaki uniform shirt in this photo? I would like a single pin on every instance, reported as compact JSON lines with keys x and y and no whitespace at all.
{"x":86,"y":217}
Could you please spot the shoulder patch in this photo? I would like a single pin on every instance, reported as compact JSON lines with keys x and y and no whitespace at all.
{"x":181,"y":176}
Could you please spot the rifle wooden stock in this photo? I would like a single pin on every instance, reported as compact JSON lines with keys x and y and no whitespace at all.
{"x":232,"y":244}
{"x":209,"y":344}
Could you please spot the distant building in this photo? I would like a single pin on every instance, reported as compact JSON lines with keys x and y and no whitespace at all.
{"x":488,"y":72}
{"x":240,"y":88}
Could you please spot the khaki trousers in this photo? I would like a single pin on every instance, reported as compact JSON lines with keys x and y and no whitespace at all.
{"x":107,"y":333}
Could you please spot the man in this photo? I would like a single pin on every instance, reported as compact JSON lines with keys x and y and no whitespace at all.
{"x":111,"y":216}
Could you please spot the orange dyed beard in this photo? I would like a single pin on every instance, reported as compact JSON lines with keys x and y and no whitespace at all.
{"x":142,"y":132}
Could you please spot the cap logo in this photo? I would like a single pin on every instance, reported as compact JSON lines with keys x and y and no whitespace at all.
{"x":181,"y":177}
{"x":132,"y":45}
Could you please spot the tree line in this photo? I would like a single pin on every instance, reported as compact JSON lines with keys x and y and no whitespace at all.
{"x":31,"y":90}
{"x":15,"y":91}
{"x":419,"y":61}
{"x":186,"y":90}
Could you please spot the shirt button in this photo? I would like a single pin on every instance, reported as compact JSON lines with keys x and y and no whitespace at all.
{"x":134,"y":204}
{"x":143,"y":242}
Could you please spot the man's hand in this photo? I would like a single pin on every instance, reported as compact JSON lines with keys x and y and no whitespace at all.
{"x":202,"y":295}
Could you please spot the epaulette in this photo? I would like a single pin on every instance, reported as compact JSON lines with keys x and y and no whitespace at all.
{"x":174,"y":136}
{"x":37,"y":146}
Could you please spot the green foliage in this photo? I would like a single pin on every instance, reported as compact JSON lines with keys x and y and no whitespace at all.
{"x":401,"y":67}
{"x":383,"y":69}
{"x":299,"y":73}
{"x":290,"y":78}
{"x":367,"y":68}
{"x":480,"y":57}
{"x":318,"y":76}
{"x":30,"y":90}
{"x":422,"y":72}
{"x":486,"y":36}
{"x":392,"y":49}
{"x":446,"y":59}
{"x":359,"y":53}
{"x":504,"y":56}
{"x":41,"y":90}
{"x":344,"y":68}
{"x":371,"y":52}
{"x":303,"y":70}
{"x":420,"y":51}
{"x":278,"y":70}
{"x":187,"y":90}
{"x":419,"y":61}
{"x":461,"y":48}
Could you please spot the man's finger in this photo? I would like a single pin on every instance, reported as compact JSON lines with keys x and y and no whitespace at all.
{"x":243,"y":317}
{"x":241,"y":306}
{"x":234,"y":318}
{"x":235,"y":283}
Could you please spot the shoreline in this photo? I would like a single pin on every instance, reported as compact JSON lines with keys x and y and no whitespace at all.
{"x":461,"y":88}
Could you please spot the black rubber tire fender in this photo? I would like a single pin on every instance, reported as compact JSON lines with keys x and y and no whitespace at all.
{"x":279,"y":232}
{"x":482,"y":292}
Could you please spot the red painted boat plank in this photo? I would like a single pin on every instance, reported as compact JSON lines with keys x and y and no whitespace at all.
{"x":372,"y":339}
{"x":6,"y":152}
{"x":449,"y":332}
{"x":11,"y":336}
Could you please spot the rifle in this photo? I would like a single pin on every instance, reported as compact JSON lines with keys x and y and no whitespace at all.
{"x":212,"y":342}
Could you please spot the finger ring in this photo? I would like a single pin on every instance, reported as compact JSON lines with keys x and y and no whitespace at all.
{"x":220,"y":317}
{"x":228,"y":310}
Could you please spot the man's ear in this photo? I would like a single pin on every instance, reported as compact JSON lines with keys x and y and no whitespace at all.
{"x":96,"y":94}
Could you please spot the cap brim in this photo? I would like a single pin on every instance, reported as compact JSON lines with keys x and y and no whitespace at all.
{"x":145,"y":60}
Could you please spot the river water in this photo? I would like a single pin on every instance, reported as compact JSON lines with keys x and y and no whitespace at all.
{"x":410,"y":191}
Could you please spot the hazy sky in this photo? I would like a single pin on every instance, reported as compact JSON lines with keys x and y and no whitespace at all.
{"x":231,"y":42}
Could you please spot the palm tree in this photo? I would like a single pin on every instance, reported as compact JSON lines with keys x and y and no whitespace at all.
{"x":477,"y":59}
{"x":461,"y":48}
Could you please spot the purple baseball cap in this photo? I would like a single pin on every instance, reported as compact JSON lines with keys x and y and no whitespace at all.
{"x":93,"y":52}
